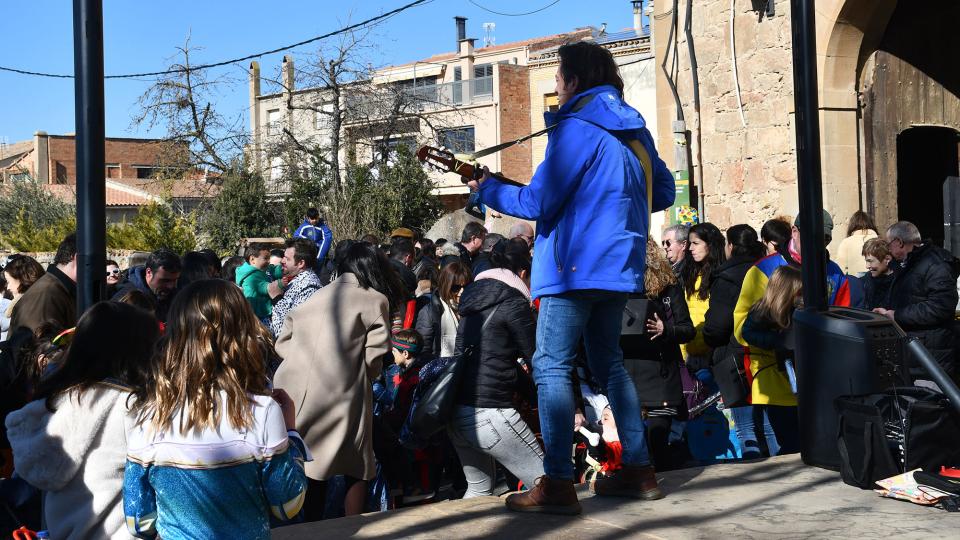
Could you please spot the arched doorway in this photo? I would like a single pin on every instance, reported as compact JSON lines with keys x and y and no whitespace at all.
{"x":926,"y":156}
{"x":911,"y":114}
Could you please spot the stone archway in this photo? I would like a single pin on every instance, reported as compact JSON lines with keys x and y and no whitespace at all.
{"x":909,"y":81}
{"x":848,"y":30}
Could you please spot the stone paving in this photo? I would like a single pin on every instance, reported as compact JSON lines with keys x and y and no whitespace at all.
{"x":776,"y":498}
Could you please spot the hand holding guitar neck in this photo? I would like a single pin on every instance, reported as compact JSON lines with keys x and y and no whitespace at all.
{"x":447,"y":161}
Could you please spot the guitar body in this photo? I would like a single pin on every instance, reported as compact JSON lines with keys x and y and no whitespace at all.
{"x":447,"y":161}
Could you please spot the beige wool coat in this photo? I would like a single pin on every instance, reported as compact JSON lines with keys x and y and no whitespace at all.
{"x":331,"y":347}
{"x":850,"y":252}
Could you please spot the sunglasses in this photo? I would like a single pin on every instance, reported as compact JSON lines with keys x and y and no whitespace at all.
{"x":456,"y":288}
{"x":667,"y":244}
{"x":113,"y":272}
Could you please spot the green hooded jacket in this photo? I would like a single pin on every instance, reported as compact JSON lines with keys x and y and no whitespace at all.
{"x":255,"y":283}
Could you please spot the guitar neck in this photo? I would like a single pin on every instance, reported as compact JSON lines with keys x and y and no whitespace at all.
{"x":469,"y":172}
{"x":445,"y":160}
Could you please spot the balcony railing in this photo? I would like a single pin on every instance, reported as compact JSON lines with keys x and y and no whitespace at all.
{"x":423,"y":98}
{"x":453,"y":94}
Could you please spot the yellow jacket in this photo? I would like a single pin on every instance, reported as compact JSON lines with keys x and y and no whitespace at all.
{"x":770,"y":386}
{"x":698,"y":314}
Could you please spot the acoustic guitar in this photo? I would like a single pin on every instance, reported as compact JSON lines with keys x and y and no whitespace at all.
{"x":447,"y":161}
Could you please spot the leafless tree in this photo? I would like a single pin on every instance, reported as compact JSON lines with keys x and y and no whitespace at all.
{"x":183,"y":102}
{"x":356,"y":112}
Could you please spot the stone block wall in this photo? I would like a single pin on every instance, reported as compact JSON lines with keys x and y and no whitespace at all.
{"x":748,"y":172}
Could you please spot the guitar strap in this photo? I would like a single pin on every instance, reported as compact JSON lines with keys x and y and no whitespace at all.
{"x":502,"y":146}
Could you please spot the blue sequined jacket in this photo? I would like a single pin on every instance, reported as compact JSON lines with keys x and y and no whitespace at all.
{"x":223,"y":483}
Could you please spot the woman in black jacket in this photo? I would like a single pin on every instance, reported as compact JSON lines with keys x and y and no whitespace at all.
{"x":744,"y":249}
{"x":653,"y":359}
{"x":497,"y":322}
{"x":439,"y":316}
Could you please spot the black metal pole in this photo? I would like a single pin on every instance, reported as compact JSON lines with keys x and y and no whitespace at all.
{"x":810,"y":191}
{"x":937,"y":375}
{"x":91,"y":180}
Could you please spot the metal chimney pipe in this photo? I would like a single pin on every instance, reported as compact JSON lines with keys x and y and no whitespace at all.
{"x":461,"y":30}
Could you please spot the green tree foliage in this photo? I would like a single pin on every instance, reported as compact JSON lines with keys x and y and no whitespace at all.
{"x":26,"y":234}
{"x":408,"y":194}
{"x":377,"y":199}
{"x":27,"y":211}
{"x":305,"y":192}
{"x":240,"y":210}
{"x":156,"y":226}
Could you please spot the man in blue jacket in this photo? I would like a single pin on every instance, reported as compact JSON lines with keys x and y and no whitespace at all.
{"x":589,"y":199}
{"x":315,"y":229}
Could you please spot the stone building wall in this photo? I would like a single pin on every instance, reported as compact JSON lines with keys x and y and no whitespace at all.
{"x":748,"y":171}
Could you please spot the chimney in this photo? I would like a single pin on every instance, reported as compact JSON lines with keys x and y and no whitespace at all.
{"x":288,"y":74}
{"x":41,"y":157}
{"x":637,"y":15}
{"x":461,"y":29}
{"x":255,"y":112}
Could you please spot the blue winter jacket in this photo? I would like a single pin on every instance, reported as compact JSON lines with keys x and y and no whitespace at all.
{"x":319,"y":234}
{"x":588,"y":197}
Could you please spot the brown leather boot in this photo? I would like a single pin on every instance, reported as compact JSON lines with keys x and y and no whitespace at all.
{"x":547,"y":496}
{"x":629,"y":481}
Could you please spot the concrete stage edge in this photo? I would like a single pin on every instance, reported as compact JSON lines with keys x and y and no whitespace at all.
{"x":775,"y":498}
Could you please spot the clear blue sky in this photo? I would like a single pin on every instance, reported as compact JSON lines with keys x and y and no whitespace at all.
{"x":37,"y":35}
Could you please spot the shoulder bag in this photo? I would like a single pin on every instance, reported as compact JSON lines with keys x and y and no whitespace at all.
{"x":436,"y":403}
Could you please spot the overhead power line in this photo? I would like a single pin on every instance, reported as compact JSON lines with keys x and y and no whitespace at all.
{"x":234,"y":60}
{"x":551,"y":4}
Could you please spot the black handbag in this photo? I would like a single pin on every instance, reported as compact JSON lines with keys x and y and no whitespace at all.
{"x":731,"y":376}
{"x":435,"y":406}
{"x":895,"y":431}
{"x":635,"y":316}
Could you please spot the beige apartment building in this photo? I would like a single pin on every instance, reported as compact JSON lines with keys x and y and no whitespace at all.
{"x":467,"y":99}
{"x":464,"y":100}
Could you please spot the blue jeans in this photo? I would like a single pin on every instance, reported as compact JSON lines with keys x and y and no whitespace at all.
{"x":597,"y":317}
{"x":745,"y":422}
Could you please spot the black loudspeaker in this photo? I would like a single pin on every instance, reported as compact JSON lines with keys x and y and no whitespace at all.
{"x":842,"y":351}
{"x":951,"y":214}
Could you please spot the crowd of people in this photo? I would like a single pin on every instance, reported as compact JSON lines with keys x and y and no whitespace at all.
{"x":215,"y":397}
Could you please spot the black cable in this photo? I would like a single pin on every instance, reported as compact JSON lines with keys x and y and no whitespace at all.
{"x":666,"y":56}
{"x":235,"y":60}
{"x":551,"y":4}
{"x":691,"y":52}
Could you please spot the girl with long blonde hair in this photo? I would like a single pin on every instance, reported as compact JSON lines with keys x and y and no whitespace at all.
{"x":769,"y":326}
{"x":212,"y":454}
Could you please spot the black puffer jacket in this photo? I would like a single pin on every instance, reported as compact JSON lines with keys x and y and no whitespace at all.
{"x":924,"y":298}
{"x":656,"y":364}
{"x":429,"y":312}
{"x":876,"y":291}
{"x":493,"y":376}
{"x":724,"y":293}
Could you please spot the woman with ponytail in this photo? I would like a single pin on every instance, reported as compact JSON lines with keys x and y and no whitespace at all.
{"x":743,"y":250}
